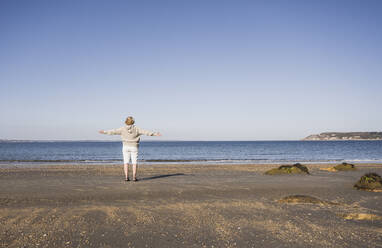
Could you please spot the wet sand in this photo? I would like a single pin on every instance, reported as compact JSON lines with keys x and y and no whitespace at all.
{"x":185,"y":206}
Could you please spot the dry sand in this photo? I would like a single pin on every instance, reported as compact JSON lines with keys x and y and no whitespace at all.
{"x":186,"y":206}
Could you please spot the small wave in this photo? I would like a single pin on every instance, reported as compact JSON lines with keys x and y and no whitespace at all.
{"x":197,"y":160}
{"x":364,"y":160}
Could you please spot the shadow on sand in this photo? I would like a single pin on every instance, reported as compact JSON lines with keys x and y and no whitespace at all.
{"x":162,"y":176}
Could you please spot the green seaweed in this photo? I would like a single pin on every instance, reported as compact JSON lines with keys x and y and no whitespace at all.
{"x":289,"y":169}
{"x":345,"y":167}
{"x":369,"y":181}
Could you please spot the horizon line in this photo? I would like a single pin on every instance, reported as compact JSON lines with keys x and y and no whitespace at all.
{"x":101,"y":140}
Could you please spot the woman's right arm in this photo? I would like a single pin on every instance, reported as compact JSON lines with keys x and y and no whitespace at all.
{"x":117,"y":131}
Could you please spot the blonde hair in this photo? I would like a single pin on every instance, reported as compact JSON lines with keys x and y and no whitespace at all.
{"x":130,"y":120}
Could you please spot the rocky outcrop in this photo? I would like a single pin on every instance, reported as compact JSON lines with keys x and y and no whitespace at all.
{"x":341,"y":167}
{"x":346,"y":136}
{"x":370,"y":182}
{"x":345,"y":167}
{"x":289,"y":169}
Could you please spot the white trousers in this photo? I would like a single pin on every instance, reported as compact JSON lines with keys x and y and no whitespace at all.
{"x":130,"y":152}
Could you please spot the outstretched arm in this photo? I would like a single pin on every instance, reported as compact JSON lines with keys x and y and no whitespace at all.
{"x":111,"y":132}
{"x":148,"y":133}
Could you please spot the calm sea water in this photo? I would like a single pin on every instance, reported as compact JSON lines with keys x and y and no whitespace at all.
{"x":81,"y":152}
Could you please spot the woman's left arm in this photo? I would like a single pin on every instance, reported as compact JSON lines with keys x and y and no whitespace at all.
{"x":148,"y":133}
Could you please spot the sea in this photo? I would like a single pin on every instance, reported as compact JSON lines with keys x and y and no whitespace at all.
{"x":34,"y":153}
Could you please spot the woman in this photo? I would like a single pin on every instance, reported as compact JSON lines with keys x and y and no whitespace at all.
{"x":130,"y":138}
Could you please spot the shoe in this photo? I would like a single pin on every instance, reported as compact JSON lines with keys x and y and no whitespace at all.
{"x":135,"y":180}
{"x":128,"y":179}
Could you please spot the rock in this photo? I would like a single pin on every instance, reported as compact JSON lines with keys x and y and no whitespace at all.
{"x":305,"y":199}
{"x":289,"y":169}
{"x":341,"y":167}
{"x":370,"y":182}
{"x":345,"y":167}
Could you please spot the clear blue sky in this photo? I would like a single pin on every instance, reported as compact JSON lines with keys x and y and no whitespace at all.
{"x":193,"y":70}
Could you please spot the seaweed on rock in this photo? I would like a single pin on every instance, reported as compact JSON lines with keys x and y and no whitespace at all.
{"x":345,"y":167}
{"x":341,"y":167}
{"x":289,"y":169}
{"x":369,"y":182}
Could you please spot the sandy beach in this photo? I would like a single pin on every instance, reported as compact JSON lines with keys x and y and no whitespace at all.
{"x":186,"y":206}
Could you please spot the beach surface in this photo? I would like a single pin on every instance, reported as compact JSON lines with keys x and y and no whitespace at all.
{"x":186,"y":206}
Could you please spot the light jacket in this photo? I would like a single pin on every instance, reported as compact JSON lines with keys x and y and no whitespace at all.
{"x":130,"y":134}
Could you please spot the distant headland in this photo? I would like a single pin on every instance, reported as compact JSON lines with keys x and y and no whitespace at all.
{"x":346,"y":136}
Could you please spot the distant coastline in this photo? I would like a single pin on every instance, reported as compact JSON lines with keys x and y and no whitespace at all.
{"x":21,"y":140}
{"x":345,"y":136}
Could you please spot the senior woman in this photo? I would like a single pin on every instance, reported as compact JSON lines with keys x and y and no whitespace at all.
{"x":130,"y":135}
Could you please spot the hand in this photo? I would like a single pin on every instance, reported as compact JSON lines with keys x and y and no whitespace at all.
{"x":158,"y":134}
{"x":101,"y":132}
